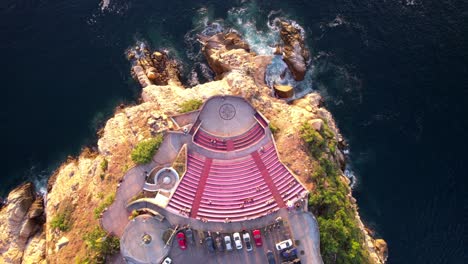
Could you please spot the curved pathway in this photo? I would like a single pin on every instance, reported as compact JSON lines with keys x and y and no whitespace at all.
{"x":115,"y":218}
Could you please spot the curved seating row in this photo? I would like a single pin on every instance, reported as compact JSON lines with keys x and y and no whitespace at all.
{"x":235,"y":190}
{"x":207,"y":140}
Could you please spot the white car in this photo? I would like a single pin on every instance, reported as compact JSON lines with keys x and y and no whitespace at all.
{"x":248,"y":244}
{"x":237,"y":240}
{"x":167,"y":260}
{"x":228,"y":243}
{"x":284,"y":244}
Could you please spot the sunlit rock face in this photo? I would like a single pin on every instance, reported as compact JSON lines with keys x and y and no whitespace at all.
{"x":295,"y":53}
{"x":21,"y":219}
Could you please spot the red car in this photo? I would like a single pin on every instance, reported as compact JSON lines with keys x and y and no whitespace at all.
{"x":257,"y":237}
{"x":181,"y":240}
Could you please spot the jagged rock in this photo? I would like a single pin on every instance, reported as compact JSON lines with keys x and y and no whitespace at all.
{"x":295,"y":53}
{"x":156,"y":68}
{"x":63,"y":241}
{"x":382,"y":249}
{"x":35,"y":252}
{"x":316,"y":124}
{"x":37,"y":208}
{"x":284,"y":91}
{"x":225,"y":52}
{"x":18,"y":222}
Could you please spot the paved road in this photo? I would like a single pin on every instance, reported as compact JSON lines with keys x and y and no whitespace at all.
{"x":305,"y":229}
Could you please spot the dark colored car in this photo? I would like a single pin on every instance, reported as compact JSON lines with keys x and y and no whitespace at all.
{"x":209,"y":244}
{"x":189,"y":235}
{"x":257,"y":237}
{"x":219,"y":243}
{"x":289,"y":254}
{"x":270,"y":257}
{"x":181,"y":240}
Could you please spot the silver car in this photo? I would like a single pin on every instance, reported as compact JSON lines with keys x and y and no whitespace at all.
{"x":228,"y":243}
{"x":237,"y":240}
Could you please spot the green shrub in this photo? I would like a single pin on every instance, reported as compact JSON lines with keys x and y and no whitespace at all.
{"x":190,"y":105}
{"x":318,"y":141}
{"x":100,"y":244}
{"x":104,"y":204}
{"x":145,"y":150}
{"x":273,"y":128}
{"x":62,"y":220}
{"x":104,"y":164}
{"x":340,"y":237}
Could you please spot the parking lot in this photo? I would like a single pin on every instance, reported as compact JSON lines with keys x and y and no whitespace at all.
{"x":198,"y":252}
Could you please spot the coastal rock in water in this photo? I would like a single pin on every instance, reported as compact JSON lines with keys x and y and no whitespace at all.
{"x":382,"y":249}
{"x":225,"y":52}
{"x":20,"y":219}
{"x":295,"y":53}
{"x":152,"y":68}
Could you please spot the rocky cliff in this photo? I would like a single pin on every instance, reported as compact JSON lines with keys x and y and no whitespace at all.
{"x":81,"y":184}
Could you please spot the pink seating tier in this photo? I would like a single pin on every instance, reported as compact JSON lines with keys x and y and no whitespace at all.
{"x":185,"y":193}
{"x":235,"y":189}
{"x":253,"y":135}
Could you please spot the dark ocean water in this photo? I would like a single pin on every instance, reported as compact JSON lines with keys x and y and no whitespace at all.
{"x":394,"y":74}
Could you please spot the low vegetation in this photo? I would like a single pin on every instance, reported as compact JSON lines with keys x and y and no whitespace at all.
{"x":318,"y":142}
{"x":99,"y":245}
{"x":341,"y":240}
{"x":145,"y":150}
{"x":62,"y":220}
{"x":190,"y":105}
{"x":104,"y":204}
{"x":104,"y":164}
{"x":273,"y":128}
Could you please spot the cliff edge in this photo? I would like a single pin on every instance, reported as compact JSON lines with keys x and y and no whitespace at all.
{"x":82,"y":188}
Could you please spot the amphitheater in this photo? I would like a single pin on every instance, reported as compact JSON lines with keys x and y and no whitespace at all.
{"x":232,"y":177}
{"x":233,"y":172}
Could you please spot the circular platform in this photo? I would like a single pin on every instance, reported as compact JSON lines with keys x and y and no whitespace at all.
{"x":142,"y":240}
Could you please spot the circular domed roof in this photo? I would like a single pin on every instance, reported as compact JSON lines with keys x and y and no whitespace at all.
{"x":227,"y":116}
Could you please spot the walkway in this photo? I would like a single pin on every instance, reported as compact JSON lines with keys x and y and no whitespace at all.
{"x":201,"y":187}
{"x":176,"y":219}
{"x":304,"y":228}
{"x":115,"y":218}
{"x":268,"y":180}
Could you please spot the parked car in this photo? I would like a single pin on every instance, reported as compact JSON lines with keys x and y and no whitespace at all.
{"x":228,"y":243}
{"x":248,"y":244}
{"x":189,"y":235}
{"x":219,"y":243}
{"x":181,"y":240}
{"x":270,"y":257}
{"x":257,"y":237}
{"x":167,"y":260}
{"x":237,"y":240}
{"x":289,"y":254}
{"x":284,"y":244}
{"x":209,"y":244}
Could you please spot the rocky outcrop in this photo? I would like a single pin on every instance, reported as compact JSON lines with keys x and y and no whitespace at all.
{"x":225,"y":52}
{"x":22,"y":218}
{"x":83,"y":182}
{"x":152,"y":68}
{"x":295,"y":53}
